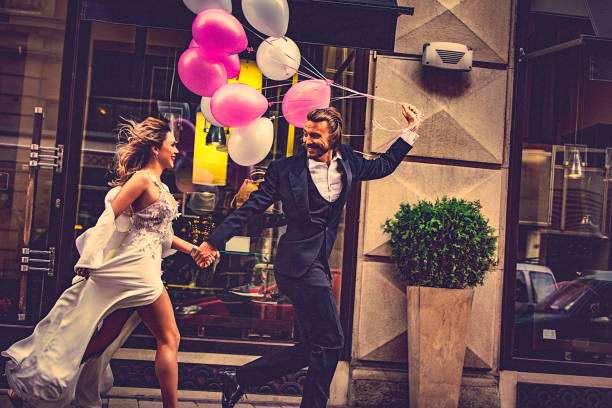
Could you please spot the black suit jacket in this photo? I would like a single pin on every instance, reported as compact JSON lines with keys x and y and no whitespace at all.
{"x":287,"y":180}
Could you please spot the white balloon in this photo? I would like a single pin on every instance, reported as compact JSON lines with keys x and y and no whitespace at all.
{"x":251,"y":144}
{"x":198,"y":6}
{"x":270,"y":17}
{"x":205,"y":106}
{"x":278,"y":58}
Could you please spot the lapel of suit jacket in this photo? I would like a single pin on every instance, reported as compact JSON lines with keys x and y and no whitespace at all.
{"x":347,"y":178}
{"x":298,"y":179}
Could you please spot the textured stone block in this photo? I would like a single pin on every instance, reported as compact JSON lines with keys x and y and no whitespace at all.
{"x":379,"y":393}
{"x":482,"y":24}
{"x":464,"y":113}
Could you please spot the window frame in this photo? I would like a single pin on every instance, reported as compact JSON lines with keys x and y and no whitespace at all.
{"x":508,"y":361}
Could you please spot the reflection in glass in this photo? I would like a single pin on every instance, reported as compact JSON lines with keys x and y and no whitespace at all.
{"x":575,"y":165}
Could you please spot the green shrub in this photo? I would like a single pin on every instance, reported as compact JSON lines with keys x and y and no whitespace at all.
{"x":446,"y":244}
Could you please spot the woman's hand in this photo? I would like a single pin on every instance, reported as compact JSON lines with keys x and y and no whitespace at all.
{"x":205,"y":255}
{"x":412,"y":115}
{"x":84,"y":272}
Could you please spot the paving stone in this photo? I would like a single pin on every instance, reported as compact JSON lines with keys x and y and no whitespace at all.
{"x":187,"y":404}
{"x":208,"y":404}
{"x":5,"y":402}
{"x":150,"y":404}
{"x":122,"y":403}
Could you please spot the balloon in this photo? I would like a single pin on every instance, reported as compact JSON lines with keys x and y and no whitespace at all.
{"x":205,"y":107}
{"x":251,"y":144}
{"x":183,"y":169}
{"x":218,"y":32}
{"x":232,"y":65}
{"x":198,"y":6}
{"x":199,"y":75}
{"x":237,"y":105}
{"x":304,"y":97}
{"x":270,"y":17}
{"x":184,"y":132}
{"x":278,"y":58}
{"x":230,"y":62}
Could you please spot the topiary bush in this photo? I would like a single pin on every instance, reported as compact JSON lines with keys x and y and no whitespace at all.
{"x":446,"y":244}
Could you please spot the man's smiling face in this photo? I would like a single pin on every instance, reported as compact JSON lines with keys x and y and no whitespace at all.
{"x":315,"y":139}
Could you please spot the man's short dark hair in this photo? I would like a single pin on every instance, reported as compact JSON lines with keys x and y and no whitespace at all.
{"x":334,"y":123}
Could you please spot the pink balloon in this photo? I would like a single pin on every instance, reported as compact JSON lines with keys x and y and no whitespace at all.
{"x":231,"y":62}
{"x":218,"y":32}
{"x":237,"y":105}
{"x":232,"y":65}
{"x":304,"y":97}
{"x":199,"y":75}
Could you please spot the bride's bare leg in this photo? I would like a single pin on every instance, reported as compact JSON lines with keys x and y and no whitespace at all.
{"x":159,"y":318}
{"x":110,"y":330}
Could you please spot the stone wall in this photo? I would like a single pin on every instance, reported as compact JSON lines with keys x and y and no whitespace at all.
{"x":462,"y":152}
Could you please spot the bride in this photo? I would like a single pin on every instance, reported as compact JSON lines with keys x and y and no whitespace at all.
{"x":118,"y":284}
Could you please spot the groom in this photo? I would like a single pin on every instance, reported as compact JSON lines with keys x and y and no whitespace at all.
{"x":313,"y":187}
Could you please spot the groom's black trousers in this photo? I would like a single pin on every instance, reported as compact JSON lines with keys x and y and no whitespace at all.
{"x":319,"y":349}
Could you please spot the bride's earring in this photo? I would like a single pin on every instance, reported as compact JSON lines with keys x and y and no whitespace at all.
{"x":156,"y":154}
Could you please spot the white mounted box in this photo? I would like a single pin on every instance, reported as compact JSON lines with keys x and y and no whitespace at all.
{"x":447,"y":55}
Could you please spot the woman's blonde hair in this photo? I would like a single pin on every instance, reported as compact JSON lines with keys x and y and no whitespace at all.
{"x":134,"y":149}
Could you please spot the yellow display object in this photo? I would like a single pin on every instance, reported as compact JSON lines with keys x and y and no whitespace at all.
{"x":291,"y":132}
{"x":249,"y":74}
{"x":209,"y":164}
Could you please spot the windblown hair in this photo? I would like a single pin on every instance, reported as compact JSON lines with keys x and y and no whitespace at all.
{"x":333,"y":118}
{"x":134,"y":149}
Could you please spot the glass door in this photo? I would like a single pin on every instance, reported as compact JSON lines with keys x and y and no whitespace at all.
{"x":32,"y":49}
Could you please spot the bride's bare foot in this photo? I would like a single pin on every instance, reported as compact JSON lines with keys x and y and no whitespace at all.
{"x":15,"y":399}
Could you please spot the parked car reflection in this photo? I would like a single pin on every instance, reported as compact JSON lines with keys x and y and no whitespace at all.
{"x":575,"y":321}
{"x":533,"y":284}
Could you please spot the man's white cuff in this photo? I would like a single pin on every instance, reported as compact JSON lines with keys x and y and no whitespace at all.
{"x":409,"y":136}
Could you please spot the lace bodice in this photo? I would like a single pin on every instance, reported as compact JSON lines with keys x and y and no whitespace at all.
{"x":152,"y":226}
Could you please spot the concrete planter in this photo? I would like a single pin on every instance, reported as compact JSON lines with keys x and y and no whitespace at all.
{"x":437,"y":329}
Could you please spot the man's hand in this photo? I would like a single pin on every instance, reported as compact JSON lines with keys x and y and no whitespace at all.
{"x":205,"y":255}
{"x":412,"y":115}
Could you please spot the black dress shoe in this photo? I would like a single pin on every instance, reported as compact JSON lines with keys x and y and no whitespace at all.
{"x":231,"y":391}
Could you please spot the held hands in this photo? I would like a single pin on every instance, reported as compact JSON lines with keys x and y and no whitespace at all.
{"x":412,"y":115}
{"x":205,"y":255}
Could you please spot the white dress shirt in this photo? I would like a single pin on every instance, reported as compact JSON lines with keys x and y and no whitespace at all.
{"x":328,"y":179}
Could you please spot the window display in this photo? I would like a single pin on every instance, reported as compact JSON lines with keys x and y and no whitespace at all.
{"x":236,"y":299}
{"x":563,"y":287}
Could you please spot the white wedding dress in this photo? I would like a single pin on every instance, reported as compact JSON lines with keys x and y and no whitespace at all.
{"x":124,"y":256}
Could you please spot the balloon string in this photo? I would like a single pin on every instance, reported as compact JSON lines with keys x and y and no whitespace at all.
{"x":365,"y":94}
{"x":273,"y":86}
{"x":307,"y":108}
{"x":283,"y":94}
{"x":313,"y":67}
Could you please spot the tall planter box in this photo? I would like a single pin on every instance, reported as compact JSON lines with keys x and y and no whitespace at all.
{"x":437,"y":330}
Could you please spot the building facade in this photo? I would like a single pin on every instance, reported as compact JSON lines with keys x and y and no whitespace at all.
{"x":525,"y":132}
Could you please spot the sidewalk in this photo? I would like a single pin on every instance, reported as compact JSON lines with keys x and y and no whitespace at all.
{"x":147,"y":403}
{"x":129,"y":402}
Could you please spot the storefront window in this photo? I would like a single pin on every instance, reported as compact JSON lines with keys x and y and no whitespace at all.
{"x":563,"y":296}
{"x":133,"y":75}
